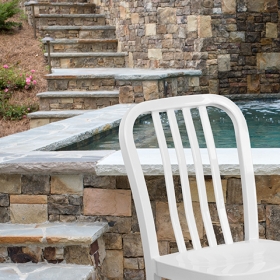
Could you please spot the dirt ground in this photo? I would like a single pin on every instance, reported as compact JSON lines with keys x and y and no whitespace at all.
{"x":19,"y":48}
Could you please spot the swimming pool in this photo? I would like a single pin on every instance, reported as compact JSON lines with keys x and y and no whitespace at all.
{"x":263,"y":118}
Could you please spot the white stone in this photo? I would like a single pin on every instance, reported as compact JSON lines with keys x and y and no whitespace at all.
{"x":155,"y":54}
{"x":151,"y":29}
{"x":192,"y":23}
{"x":266,"y":162}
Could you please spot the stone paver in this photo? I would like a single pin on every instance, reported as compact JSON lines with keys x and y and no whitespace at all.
{"x":46,"y":272}
{"x":51,"y":233}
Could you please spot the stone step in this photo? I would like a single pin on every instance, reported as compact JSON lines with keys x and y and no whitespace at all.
{"x":40,"y":118}
{"x":48,"y":234}
{"x":45,"y":271}
{"x":88,"y":59}
{"x":49,"y":242}
{"x":61,"y":8}
{"x":84,"y":45}
{"x":76,"y":100}
{"x":85,"y":79}
{"x":70,"y":19}
{"x":82,"y":32}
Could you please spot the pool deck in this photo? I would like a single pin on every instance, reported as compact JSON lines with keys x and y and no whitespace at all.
{"x":33,"y":150}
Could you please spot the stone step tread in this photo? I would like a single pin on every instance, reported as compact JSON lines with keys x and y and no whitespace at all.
{"x":78,"y":94}
{"x":87,"y":54}
{"x":83,"y":41}
{"x":49,"y":233}
{"x":69,"y":27}
{"x":120,"y":73}
{"x":70,"y":16}
{"x":61,"y":4}
{"x":44,"y":271}
{"x":57,"y":114}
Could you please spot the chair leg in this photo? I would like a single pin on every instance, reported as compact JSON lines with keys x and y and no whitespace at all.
{"x":157,"y":277}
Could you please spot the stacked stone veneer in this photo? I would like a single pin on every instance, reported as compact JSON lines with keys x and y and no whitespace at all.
{"x":234,"y":42}
{"x":83,"y":198}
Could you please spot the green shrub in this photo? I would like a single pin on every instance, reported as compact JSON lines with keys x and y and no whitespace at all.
{"x":8,"y":10}
{"x":12,"y":78}
{"x":14,"y":112}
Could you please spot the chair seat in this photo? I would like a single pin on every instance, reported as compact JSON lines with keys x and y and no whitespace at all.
{"x":246,"y":260}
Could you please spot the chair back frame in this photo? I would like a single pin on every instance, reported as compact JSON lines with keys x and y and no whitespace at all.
{"x":138,"y":184}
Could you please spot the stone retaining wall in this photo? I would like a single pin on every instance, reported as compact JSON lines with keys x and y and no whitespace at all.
{"x":81,"y":198}
{"x":234,"y":42}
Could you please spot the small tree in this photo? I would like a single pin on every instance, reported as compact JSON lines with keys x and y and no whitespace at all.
{"x":7,"y":10}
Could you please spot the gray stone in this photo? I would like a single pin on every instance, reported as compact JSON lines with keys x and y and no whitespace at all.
{"x":35,"y":184}
{"x":108,"y":182}
{"x":4,"y":214}
{"x":4,"y":200}
{"x":133,"y":274}
{"x":54,"y":208}
{"x":273,"y":222}
{"x":132,"y":246}
{"x":77,"y":255}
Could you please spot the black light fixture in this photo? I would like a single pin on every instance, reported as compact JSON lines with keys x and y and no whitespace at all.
{"x":47,"y":41}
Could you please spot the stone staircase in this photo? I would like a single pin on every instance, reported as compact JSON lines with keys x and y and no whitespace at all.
{"x":71,"y":251}
{"x":81,"y":40}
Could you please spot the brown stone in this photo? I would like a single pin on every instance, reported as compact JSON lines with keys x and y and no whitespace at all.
{"x":209,"y":190}
{"x":163,"y":222}
{"x":234,"y":191}
{"x":271,"y":30}
{"x":107,"y":202}
{"x":20,"y":239}
{"x":229,"y":6}
{"x":134,"y":18}
{"x":28,"y":199}
{"x":262,"y":6}
{"x":268,"y":189}
{"x":67,"y":184}
{"x":132,"y":245}
{"x":77,"y":255}
{"x":126,"y":94}
{"x":273,"y":222}
{"x":204,"y":26}
{"x":268,"y":60}
{"x":166,"y":16}
{"x":113,"y":241}
{"x":150,"y":90}
{"x":34,"y":252}
{"x":24,"y":213}
{"x":10,"y":184}
{"x":253,"y":84}
{"x":113,"y":265}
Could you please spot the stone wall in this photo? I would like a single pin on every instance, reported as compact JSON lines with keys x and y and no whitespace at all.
{"x":234,"y":42}
{"x":85,"y":198}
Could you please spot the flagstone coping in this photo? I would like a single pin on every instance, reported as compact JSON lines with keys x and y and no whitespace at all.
{"x":51,"y":233}
{"x":44,"y":271}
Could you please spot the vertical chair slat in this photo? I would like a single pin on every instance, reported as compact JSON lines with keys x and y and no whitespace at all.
{"x":169,"y":183}
{"x":184,"y":179}
{"x":199,"y":177}
{"x":216,"y":177}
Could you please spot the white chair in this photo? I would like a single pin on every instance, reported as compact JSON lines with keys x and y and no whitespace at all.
{"x":251,"y":259}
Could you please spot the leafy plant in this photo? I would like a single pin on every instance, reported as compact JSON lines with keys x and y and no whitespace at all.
{"x":14,"y":112}
{"x":8,"y":10}
{"x":12,"y":78}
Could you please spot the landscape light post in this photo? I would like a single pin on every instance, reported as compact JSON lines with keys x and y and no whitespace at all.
{"x":32,"y":3}
{"x":47,"y":41}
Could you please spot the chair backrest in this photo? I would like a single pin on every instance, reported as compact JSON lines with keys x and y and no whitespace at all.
{"x":138,"y":184}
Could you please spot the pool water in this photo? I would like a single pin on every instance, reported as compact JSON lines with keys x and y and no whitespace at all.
{"x":263,"y":119}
